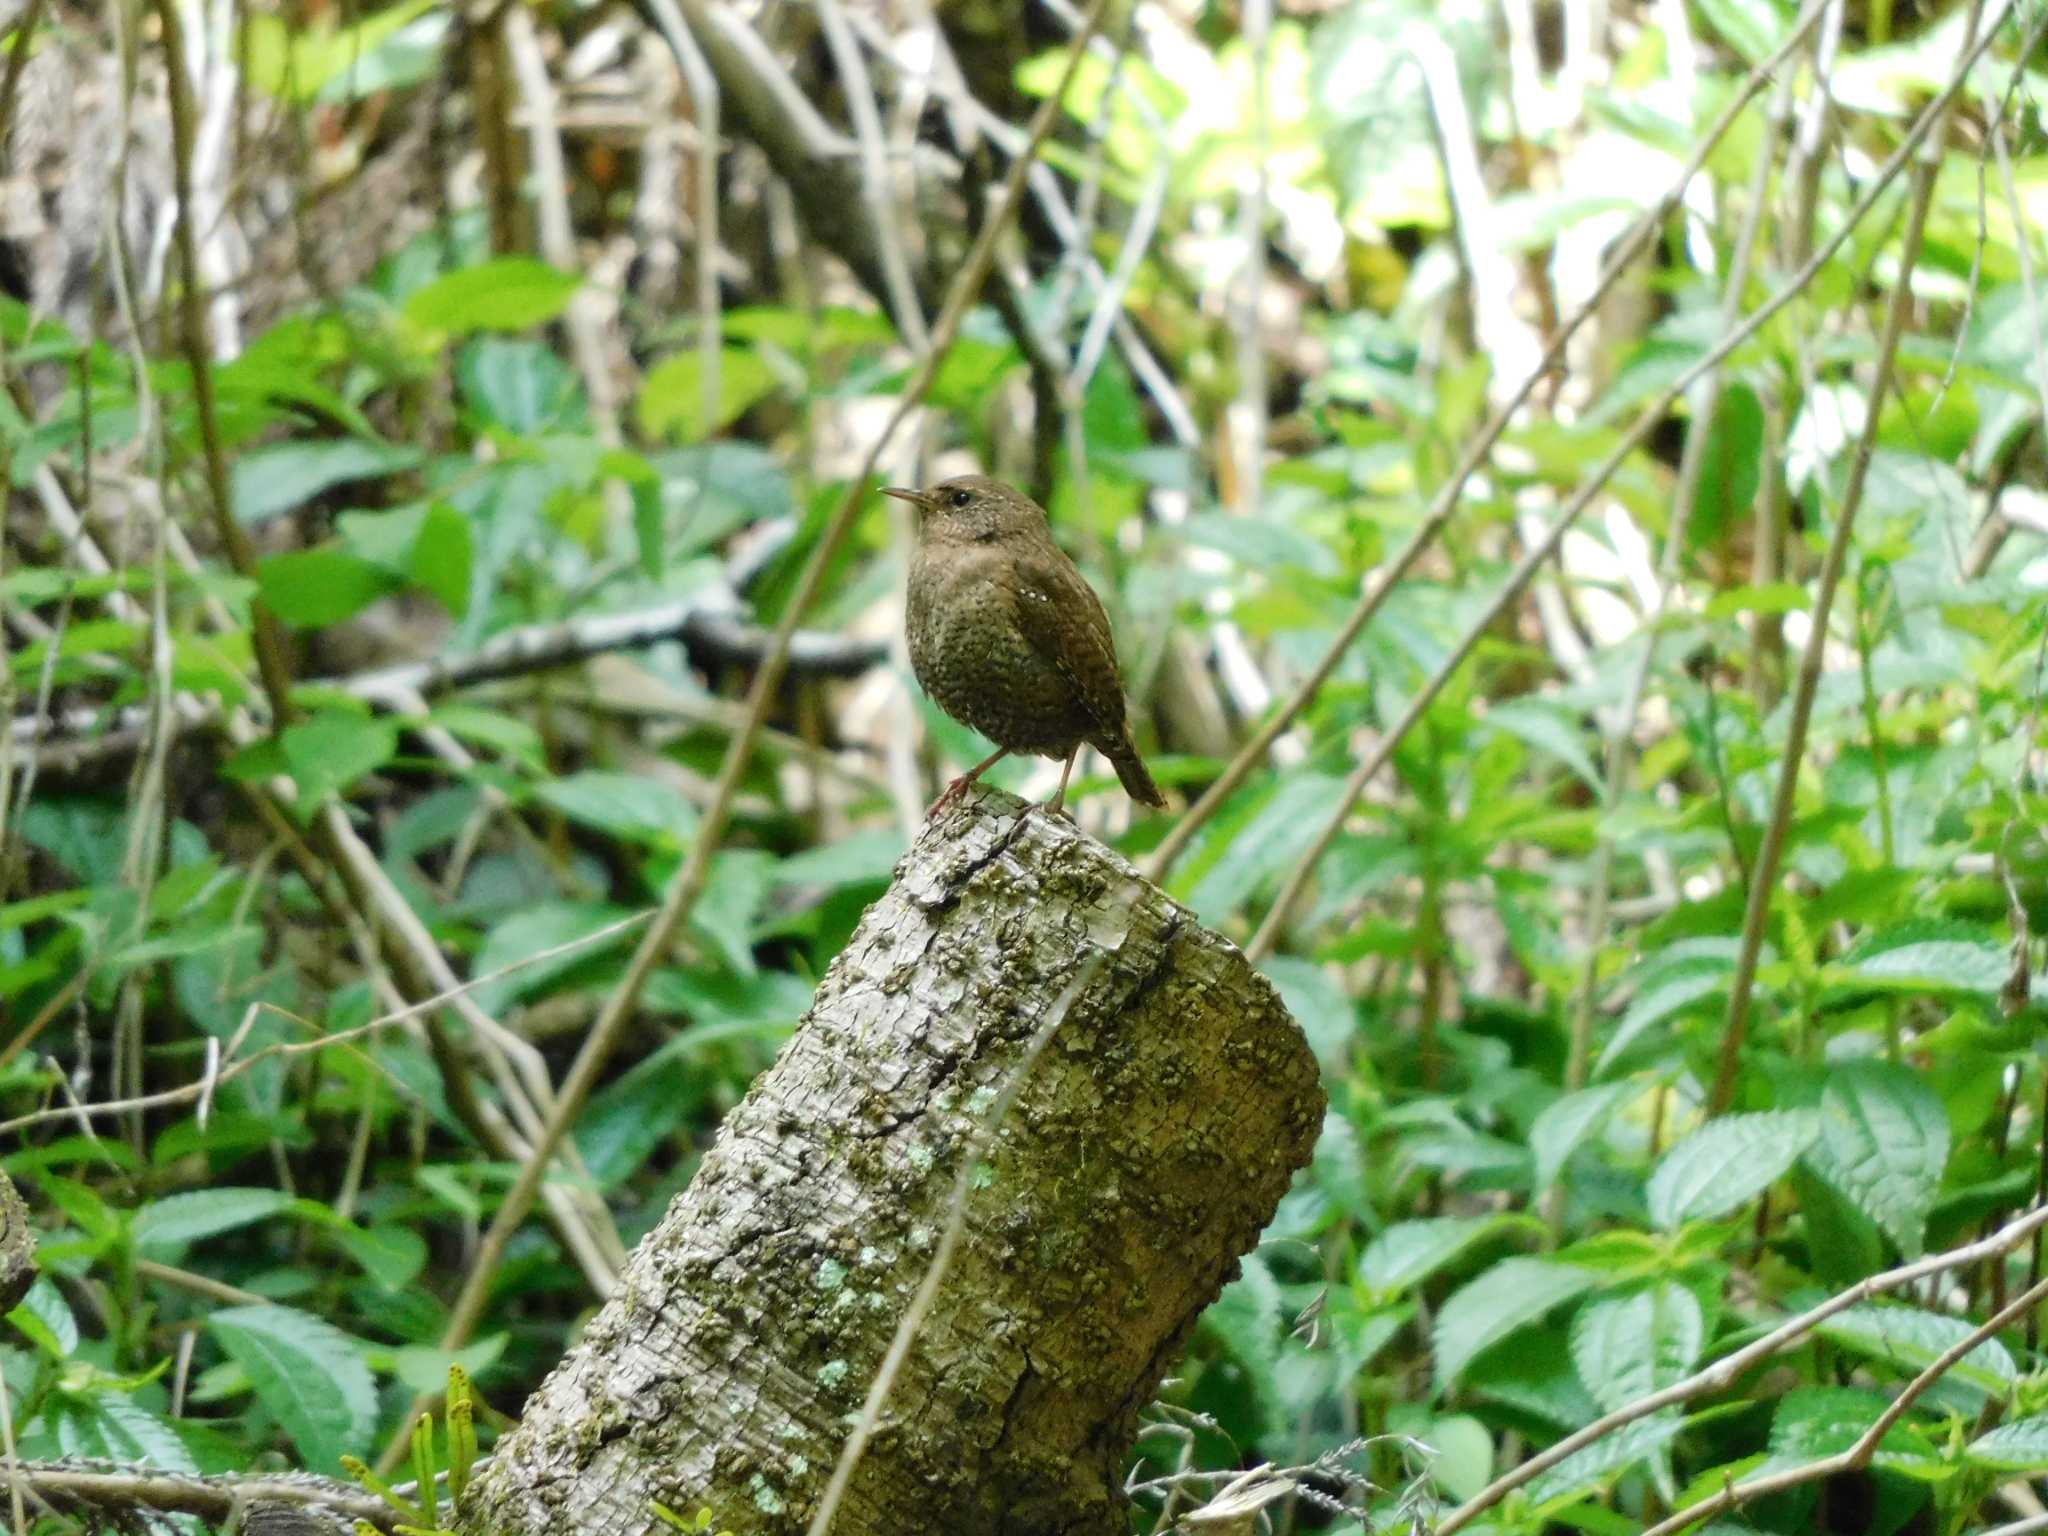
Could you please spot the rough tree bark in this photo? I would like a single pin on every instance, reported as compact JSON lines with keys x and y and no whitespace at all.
{"x":1148,"y":1146}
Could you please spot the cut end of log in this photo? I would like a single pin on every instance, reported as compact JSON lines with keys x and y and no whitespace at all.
{"x":1149,"y":1142}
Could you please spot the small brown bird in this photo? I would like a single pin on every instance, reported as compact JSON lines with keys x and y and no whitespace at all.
{"x":1009,"y":638}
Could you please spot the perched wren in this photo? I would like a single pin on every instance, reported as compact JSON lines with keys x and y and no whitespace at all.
{"x":1009,"y":638}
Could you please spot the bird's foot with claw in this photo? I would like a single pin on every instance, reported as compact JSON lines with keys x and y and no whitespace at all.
{"x":947,"y":796}
{"x":1051,"y":808}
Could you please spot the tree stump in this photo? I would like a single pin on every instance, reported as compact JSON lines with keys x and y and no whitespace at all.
{"x":1147,"y":1146}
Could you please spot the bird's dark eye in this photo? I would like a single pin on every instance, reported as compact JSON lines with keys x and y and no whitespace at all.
{"x":959,"y":499}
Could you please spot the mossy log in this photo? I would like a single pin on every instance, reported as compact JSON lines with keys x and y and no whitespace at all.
{"x":1148,"y":1144}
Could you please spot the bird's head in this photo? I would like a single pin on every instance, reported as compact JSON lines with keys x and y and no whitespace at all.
{"x":972,"y":509}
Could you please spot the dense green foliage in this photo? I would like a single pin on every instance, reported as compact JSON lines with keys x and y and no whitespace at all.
{"x":1528,"y":1208}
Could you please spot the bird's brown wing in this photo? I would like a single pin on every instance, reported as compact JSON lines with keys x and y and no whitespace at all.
{"x":1062,"y":618}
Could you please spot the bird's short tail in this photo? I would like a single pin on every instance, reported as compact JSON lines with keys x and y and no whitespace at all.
{"x":1130,"y":768}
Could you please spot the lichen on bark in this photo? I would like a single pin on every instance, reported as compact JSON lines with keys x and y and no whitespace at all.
{"x":1147,"y":1148}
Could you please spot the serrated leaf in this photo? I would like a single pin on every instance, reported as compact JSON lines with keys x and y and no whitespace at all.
{"x":2021,"y":1446}
{"x":1605,"y":1456}
{"x":1909,"y":1339}
{"x":1884,"y":1143}
{"x":1628,"y":1346}
{"x":1929,"y":956}
{"x":1725,"y":1163}
{"x":1816,"y":1422}
{"x":1566,"y":1123}
{"x":308,"y":1373}
{"x":109,"y":1425}
{"x":1510,"y":1295}
{"x":168,"y":1224}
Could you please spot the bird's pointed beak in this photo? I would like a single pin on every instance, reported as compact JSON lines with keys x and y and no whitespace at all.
{"x":918,"y":499}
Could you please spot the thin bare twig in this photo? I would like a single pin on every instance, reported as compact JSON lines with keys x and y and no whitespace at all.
{"x":212,"y":1497}
{"x":229,"y":1068}
{"x":1724,"y":1372}
{"x":268,"y":636}
{"x":1691,"y":472}
{"x":1764,"y":872}
{"x":1858,"y":1455}
{"x":1269,"y":931}
{"x":1446,"y":501}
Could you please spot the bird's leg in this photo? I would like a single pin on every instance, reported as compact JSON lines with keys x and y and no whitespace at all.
{"x":958,"y":787}
{"x":1055,"y":806}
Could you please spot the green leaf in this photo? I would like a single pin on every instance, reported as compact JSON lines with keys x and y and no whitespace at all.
{"x":506,"y":293}
{"x":1320,"y":1005}
{"x":738,"y":882}
{"x":517,"y":385}
{"x":1510,"y":1295}
{"x":1772,"y":597}
{"x":390,"y":1255}
{"x":44,"y":1318}
{"x":326,"y":754}
{"x":1816,"y":1422}
{"x":533,"y":931}
{"x":491,"y":728}
{"x":442,"y":558}
{"x":272,"y":480}
{"x":626,"y":805}
{"x":1273,"y":840}
{"x":1732,"y":468}
{"x":110,"y":1425}
{"x":308,"y":588}
{"x":672,"y":395}
{"x":2021,"y":1446}
{"x":428,"y":544}
{"x":864,"y":858}
{"x":1665,"y":989}
{"x":1726,"y":1162}
{"x":1609,"y":1454}
{"x":1246,"y":1317}
{"x":1929,"y":956}
{"x":308,"y":1373}
{"x":1630,"y":1345}
{"x":1260,"y":544}
{"x":1548,"y":729}
{"x":305,"y":63}
{"x":425,"y":1369}
{"x":1884,"y":1142}
{"x":1566,"y":1123}
{"x":1909,"y":1338}
{"x":1464,"y":1454}
{"x":168,"y":1224}
{"x":1753,"y":28}
{"x":1409,"y":1252}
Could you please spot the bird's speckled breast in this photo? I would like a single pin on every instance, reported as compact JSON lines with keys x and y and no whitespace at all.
{"x":971,"y":656}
